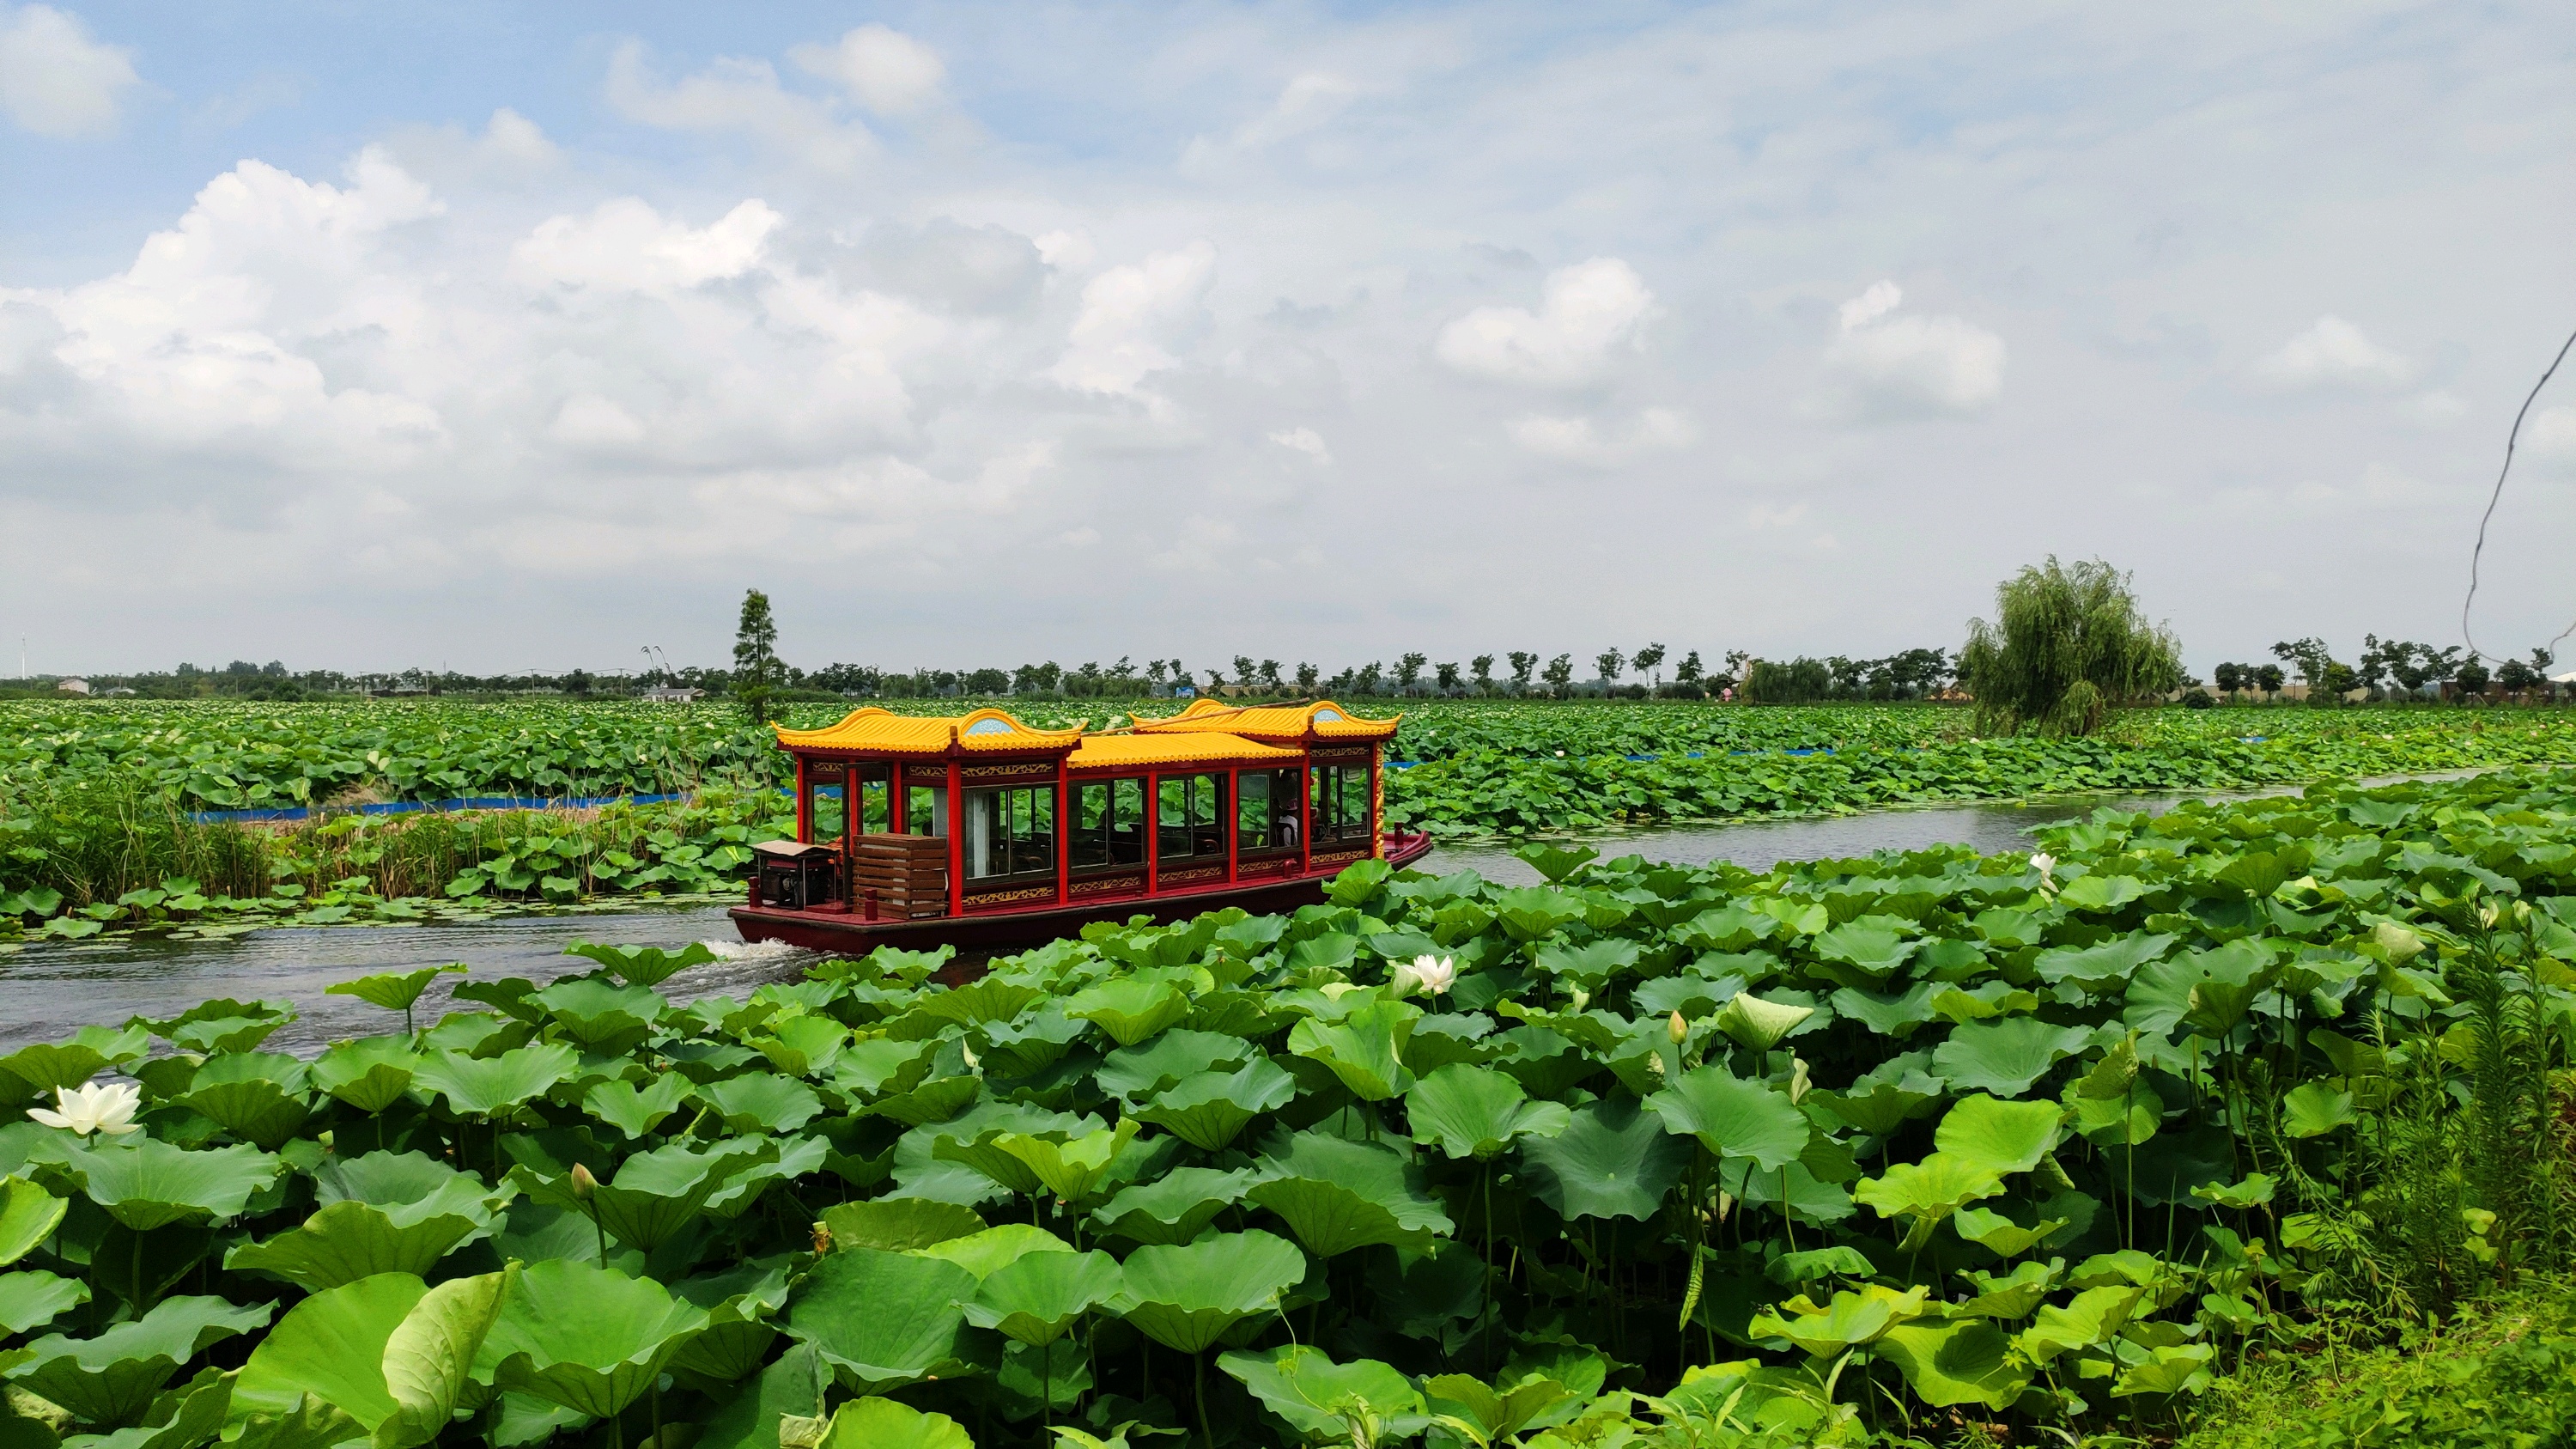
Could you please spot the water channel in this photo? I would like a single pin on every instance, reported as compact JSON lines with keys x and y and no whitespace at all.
{"x":47,"y":990}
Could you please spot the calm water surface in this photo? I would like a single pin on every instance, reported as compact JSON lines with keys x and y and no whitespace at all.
{"x":47,"y":990}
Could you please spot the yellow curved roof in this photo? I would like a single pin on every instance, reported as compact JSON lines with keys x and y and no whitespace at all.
{"x":1109,"y":752}
{"x":879,"y":731}
{"x":1322,"y":720}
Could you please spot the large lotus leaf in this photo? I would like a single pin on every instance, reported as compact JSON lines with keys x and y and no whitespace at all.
{"x":2102,"y":892}
{"x":2091,"y":1318}
{"x":148,"y":1183}
{"x":1131,"y":1009}
{"x":1185,"y":1297}
{"x":1175,"y":1207}
{"x":1321,"y":1398}
{"x":599,"y":1016}
{"x":1543,"y":1061}
{"x":2005,"y":1057}
{"x":1139,"y":1072}
{"x":1962,"y":1361}
{"x":2000,"y":1137}
{"x":50,"y":1066}
{"x":2125,"y":1120}
{"x":1733,"y":1116}
{"x":1373,"y":1171}
{"x":370,"y":1073}
{"x":391,"y":990}
{"x":757,"y":1163}
{"x":1613,"y":1160}
{"x":739,"y":1301}
{"x":33,"y":1299}
{"x":1211,"y":1109}
{"x":885,"y":1319}
{"x":898,"y":1224}
{"x":1897,"y":1015}
{"x":1497,"y":1414}
{"x":1588,"y":966}
{"x":1073,"y":1169}
{"x":186,"y":1417}
{"x":635,"y":1110}
{"x":110,"y":1379}
{"x":28,"y":1215}
{"x":990,"y":998}
{"x":1995,"y":998}
{"x":1869,"y":951}
{"x":255,"y":1109}
{"x":936,"y":1100}
{"x":1928,"y":1191}
{"x":1878,"y":1108}
{"x":2214,"y":985}
{"x":487,"y":1086}
{"x":801,"y":1043}
{"x":882,"y":1065}
{"x":2313,"y":1109}
{"x":1848,"y":1321}
{"x":2168,"y":1369}
{"x":654,"y":1194}
{"x":996,"y":1248}
{"x":1478,"y":1112}
{"x":1365,"y":1049}
{"x":1036,"y":1298}
{"x":2014,"y":1294}
{"x":758,"y":1102}
{"x":783,"y":1391}
{"x":2105,"y":967}
{"x":382,"y":1213}
{"x":874,"y":1423}
{"x":1753,"y":1022}
{"x":586,"y":1337}
{"x":1533,"y":913}
{"x":2000,"y":1235}
{"x":643,"y":965}
{"x":331,"y":1346}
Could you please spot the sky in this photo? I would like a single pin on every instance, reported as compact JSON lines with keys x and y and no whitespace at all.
{"x":519,"y":338}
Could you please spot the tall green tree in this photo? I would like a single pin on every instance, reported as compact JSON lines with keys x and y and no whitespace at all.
{"x":757,"y":673}
{"x":2068,"y":644}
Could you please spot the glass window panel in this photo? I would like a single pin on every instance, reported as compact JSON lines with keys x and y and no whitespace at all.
{"x":1355,"y":801}
{"x":925,"y":810}
{"x":1089,"y":848}
{"x":823,"y":801}
{"x":873,"y":782}
{"x":1252,"y":811}
{"x":1127,"y":823}
{"x":1172,"y":838}
{"x":1010,"y":831}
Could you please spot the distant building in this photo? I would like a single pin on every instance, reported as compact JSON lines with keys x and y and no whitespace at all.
{"x":672,"y":694}
{"x":120,"y":692}
{"x":72,"y":686}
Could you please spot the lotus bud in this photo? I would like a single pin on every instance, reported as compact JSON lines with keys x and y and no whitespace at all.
{"x":1581,"y":998}
{"x":822,"y":1240}
{"x":1677,"y":1029}
{"x":582,"y":1182}
{"x":2399,"y":942}
{"x":971,"y":1062}
{"x":1798,"y":1083}
{"x":2488,"y":915}
{"x":1725,"y":1205}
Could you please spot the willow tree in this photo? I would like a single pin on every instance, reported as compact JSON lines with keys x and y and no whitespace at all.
{"x":2068,"y":643}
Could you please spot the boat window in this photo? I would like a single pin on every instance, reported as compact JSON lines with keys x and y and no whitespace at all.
{"x":1186,"y":819}
{"x":873,"y":782}
{"x":1010,"y":831}
{"x":1341,"y":797}
{"x":824,"y":792}
{"x":925,"y":810}
{"x":1108,"y":825}
{"x":1265,"y":815}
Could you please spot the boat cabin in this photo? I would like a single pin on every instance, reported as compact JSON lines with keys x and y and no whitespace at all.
{"x":902,"y":818}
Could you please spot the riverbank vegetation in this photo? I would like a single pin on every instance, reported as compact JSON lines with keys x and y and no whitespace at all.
{"x":1928,"y":1147}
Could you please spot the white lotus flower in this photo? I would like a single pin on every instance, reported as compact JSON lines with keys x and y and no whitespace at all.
{"x":93,"y":1108}
{"x":2045,"y":864}
{"x":1432,"y":974}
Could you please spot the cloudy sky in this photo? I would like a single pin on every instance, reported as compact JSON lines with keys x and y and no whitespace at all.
{"x":519,"y":337}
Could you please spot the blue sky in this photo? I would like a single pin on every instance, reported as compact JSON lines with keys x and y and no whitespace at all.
{"x":515,"y":337}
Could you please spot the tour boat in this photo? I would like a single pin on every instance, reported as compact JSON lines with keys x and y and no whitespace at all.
{"x":920,"y":832}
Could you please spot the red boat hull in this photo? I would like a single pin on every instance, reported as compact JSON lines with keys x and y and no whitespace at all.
{"x":845,"y":934}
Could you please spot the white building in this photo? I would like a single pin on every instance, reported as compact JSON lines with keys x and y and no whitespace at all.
{"x":72,"y":686}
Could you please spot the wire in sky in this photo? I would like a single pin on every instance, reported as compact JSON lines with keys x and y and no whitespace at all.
{"x":2497,"y":496}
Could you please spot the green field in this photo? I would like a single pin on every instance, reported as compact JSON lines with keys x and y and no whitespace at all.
{"x":95,"y":797}
{"x":1912,"y":1148}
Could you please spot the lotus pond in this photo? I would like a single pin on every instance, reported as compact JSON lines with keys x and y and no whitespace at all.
{"x":1888,"y":1147}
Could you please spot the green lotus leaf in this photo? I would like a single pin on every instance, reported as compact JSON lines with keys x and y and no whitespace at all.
{"x":1211,"y":1109}
{"x":990,"y":998}
{"x":33,"y":1299}
{"x":1073,"y":1169}
{"x":1336,"y":1194}
{"x":2313,"y":1109}
{"x":2005,"y":1057}
{"x":2211,"y":987}
{"x":1851,"y":1319}
{"x":2122,"y":1121}
{"x":884,"y":1319}
{"x":1554,"y":863}
{"x":997,"y":1247}
{"x":936,"y":1100}
{"x":487,"y":1086}
{"x":2090,"y":1319}
{"x":589,"y":1338}
{"x":1995,"y":998}
{"x":1175,"y":1207}
{"x":1185,"y":1297}
{"x":370,"y":1073}
{"x":2253,"y":1192}
{"x":599,"y":1016}
{"x":148,"y":1183}
{"x":760,"y":1102}
{"x":1319,"y":1397}
{"x":2000,"y":1235}
{"x":874,"y":1423}
{"x":28,"y":1216}
{"x":635,"y":1110}
{"x":1036,"y":1298}
{"x":1533,"y":913}
{"x":1733,"y":1116}
{"x":394,"y":992}
{"x":1478,"y":1112}
{"x":382,"y":1213}
{"x":801,"y":1044}
{"x":881,"y":1065}
{"x":643,"y":965}
{"x":1928,"y":1191}
{"x":331,"y":1348}
{"x":211,"y":1028}
{"x":740,"y":1302}
{"x":50,"y":1066}
{"x":254,"y":1096}
{"x":1878,"y":1108}
{"x":183,"y":1418}
{"x":2102,"y":892}
{"x":1871,"y":952}
{"x":1753,"y":1022}
{"x":1365,"y":1049}
{"x":2001,"y":1137}
{"x":111,"y":1378}
{"x":1588,"y":966}
{"x":2104,"y":967}
{"x":2014,"y":1294}
{"x":1815,"y":1263}
{"x":1899,"y":1015}
{"x":1139,"y":1072}
{"x":2169,"y":1369}
{"x":1613,"y":1160}
{"x":1131,"y":1009}
{"x":898,"y":1224}
{"x":1962,"y":1361}
{"x":1498,"y":1415}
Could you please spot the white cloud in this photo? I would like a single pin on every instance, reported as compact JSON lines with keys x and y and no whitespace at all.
{"x":1132,"y":315}
{"x":2335,"y":353}
{"x":1576,"y":440}
{"x":1068,"y":250}
{"x":513,"y":138}
{"x":736,"y":95}
{"x":1586,"y":312}
{"x":589,"y":422}
{"x":2551,"y":438}
{"x":1306,"y":441}
{"x":1882,"y":367}
{"x":885,"y":70}
{"x":1774,"y":515}
{"x":54,"y":79}
{"x":626,"y":244}
{"x":1307,"y":103}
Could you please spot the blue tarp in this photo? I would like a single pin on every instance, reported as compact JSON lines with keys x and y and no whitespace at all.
{"x":410,"y":807}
